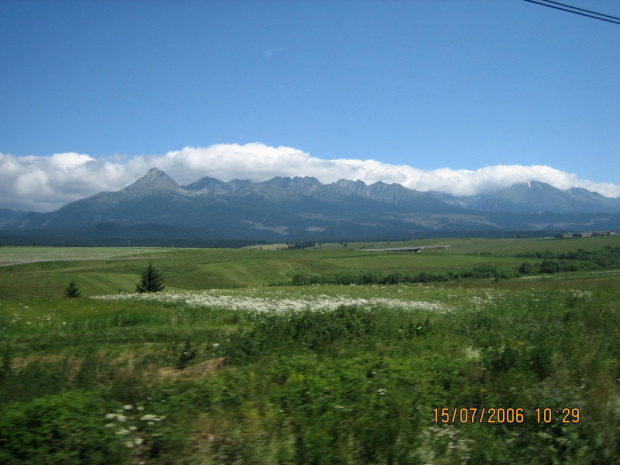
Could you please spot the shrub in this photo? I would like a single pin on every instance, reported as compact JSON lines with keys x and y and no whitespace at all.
{"x":526,"y":268}
{"x":550,"y":266}
{"x":394,"y":278}
{"x":66,"y":428}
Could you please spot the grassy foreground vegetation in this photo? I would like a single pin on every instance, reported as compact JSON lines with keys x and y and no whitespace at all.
{"x":214,"y":371}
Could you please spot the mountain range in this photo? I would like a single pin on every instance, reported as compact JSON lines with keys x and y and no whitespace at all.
{"x":156,"y":210}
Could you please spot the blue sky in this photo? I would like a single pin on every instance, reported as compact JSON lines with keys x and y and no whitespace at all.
{"x":430,"y":84}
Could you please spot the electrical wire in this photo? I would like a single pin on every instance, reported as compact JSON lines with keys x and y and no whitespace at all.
{"x":582,"y":9}
{"x":576,"y":10}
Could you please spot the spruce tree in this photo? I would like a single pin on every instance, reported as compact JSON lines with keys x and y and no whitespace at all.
{"x":151,"y":280}
{"x":72,"y":290}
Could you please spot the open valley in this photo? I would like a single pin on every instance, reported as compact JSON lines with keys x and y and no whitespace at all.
{"x":331,"y":354}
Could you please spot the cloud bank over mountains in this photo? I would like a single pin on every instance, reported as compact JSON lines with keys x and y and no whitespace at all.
{"x":47,"y":183}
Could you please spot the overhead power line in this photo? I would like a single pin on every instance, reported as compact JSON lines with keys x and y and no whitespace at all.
{"x":584,"y":10}
{"x":575,"y":10}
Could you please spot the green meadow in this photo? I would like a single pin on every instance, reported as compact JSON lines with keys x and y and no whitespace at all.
{"x":232,"y":364}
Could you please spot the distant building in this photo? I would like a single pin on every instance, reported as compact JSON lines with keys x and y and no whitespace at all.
{"x":603,"y":233}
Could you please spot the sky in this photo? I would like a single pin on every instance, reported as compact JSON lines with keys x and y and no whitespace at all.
{"x":462,"y":96}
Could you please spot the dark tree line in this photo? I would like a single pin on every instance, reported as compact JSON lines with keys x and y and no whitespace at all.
{"x":299,"y":245}
{"x":581,"y":260}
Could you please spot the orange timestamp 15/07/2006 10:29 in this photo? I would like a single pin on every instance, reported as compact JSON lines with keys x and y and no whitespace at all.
{"x":501,"y":415}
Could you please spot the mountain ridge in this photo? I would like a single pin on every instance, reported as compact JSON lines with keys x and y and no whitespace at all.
{"x":303,"y":207}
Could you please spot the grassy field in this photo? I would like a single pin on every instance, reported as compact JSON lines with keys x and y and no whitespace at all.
{"x":223,"y":368}
{"x":105,"y":270}
{"x":9,"y":255}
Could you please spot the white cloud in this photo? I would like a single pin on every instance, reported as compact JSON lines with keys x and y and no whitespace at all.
{"x":47,"y":183}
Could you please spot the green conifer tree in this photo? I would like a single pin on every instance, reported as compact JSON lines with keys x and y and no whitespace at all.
{"x":151,"y":280}
{"x":72,"y":290}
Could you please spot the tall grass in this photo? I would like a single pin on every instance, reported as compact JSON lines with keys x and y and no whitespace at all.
{"x":356,"y":384}
{"x":308,"y":375}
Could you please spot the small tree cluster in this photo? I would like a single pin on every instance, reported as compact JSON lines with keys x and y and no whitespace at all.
{"x":299,"y":245}
{"x":151,"y":280}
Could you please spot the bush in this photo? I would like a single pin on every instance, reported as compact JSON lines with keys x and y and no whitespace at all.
{"x":526,"y":268}
{"x":550,"y":266}
{"x":66,"y":428}
{"x":305,"y":330}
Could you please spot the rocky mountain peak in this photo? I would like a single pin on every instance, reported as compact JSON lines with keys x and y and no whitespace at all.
{"x":302,"y":185}
{"x":154,"y":173}
{"x":348,"y":184}
{"x":154,"y":180}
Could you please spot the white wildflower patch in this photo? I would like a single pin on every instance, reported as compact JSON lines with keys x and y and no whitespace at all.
{"x":276,"y":302}
{"x":471,"y":353}
{"x":135,"y":429}
{"x":481,"y":298}
{"x":581,"y":294}
{"x":152,"y":418}
{"x":447,"y":439}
